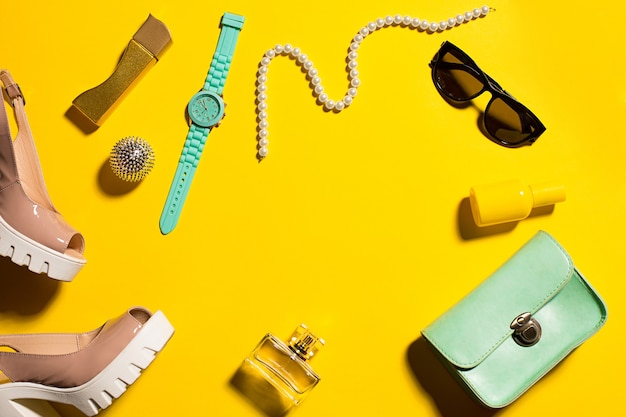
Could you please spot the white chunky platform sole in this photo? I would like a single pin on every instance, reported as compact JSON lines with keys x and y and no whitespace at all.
{"x":38,"y":258}
{"x":26,"y":399}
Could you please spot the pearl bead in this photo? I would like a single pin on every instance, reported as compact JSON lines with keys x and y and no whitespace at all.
{"x":355,"y":82}
{"x":406,"y":21}
{"x":364,"y":31}
{"x":485,"y":10}
{"x":262,"y":79}
{"x":460,"y":19}
{"x":425,"y":24}
{"x":477,"y":12}
{"x":354,"y":46}
{"x":451,"y":22}
{"x":263,"y":133}
{"x":371,"y":26}
{"x":264,"y":142}
{"x":262,"y":97}
{"x":380,"y":22}
{"x":266,"y":61}
{"x":263,"y":124}
{"x":278,"y":49}
{"x":295,"y":52}
{"x":308,"y":65}
{"x":415,"y":22}
{"x":469,"y":16}
{"x":352,"y":92}
{"x":347,"y":100}
{"x":288,"y":48}
{"x":329,"y":104}
{"x":263,"y":69}
{"x":388,"y":20}
{"x":262,"y":106}
{"x":358,"y":38}
{"x":316,"y":80}
{"x":353,"y":55}
{"x":261,"y":88}
{"x":312,"y":72}
{"x":263,"y":152}
{"x":433,"y":27}
{"x":323,"y":97}
{"x":339,"y":105}
{"x":443,"y":25}
{"x":262,"y":115}
{"x":318,"y":89}
{"x":353,"y":64}
{"x":302,"y":58}
{"x":397,"y":19}
{"x":354,"y":73}
{"x":270,"y":53}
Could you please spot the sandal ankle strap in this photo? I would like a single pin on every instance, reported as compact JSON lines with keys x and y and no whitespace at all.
{"x":17,"y":101}
{"x":11,"y":87}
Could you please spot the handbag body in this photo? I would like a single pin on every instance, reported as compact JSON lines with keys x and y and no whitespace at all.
{"x":518,"y":324}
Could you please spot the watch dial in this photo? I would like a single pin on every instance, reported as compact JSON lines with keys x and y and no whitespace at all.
{"x":205,"y":109}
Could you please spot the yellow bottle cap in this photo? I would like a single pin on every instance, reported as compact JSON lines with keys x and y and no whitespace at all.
{"x":547,"y":193}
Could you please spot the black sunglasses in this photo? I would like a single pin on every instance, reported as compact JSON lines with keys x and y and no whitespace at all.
{"x":458,"y":78}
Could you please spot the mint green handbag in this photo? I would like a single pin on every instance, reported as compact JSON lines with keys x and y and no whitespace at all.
{"x":518,"y":324}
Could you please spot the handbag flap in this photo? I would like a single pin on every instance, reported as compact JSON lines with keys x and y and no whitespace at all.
{"x":474,"y":327}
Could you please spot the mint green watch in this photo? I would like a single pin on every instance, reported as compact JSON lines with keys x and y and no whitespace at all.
{"x":205,"y":110}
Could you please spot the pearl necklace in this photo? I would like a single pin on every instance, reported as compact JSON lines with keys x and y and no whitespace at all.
{"x":316,"y":82}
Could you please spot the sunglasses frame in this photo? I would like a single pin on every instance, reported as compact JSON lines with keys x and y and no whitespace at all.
{"x":490,"y":85}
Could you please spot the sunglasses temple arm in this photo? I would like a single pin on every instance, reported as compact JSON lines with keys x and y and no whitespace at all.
{"x":528,"y":124}
{"x":461,"y":67}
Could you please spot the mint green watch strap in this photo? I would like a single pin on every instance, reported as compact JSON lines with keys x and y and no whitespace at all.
{"x":196,"y":138}
{"x":189,"y":159}
{"x":220,"y":65}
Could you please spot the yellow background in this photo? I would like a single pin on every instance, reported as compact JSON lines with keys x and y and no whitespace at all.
{"x":357,"y":223}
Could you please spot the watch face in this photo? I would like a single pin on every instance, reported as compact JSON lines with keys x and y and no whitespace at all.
{"x":206,"y":108}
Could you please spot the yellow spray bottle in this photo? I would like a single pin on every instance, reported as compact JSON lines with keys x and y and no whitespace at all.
{"x":511,"y":200}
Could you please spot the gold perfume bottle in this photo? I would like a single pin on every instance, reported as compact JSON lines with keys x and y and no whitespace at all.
{"x":277,"y":376}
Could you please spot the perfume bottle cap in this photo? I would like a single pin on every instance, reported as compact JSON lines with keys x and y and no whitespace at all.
{"x":547,"y":193}
{"x":304,"y":343}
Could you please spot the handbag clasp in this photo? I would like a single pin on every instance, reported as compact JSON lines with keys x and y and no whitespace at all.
{"x":527,"y":330}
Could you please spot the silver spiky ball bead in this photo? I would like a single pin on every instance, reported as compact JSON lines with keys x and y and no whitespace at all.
{"x":132,"y":158}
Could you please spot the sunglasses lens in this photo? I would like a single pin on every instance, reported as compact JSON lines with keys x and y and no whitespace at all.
{"x":457,"y":78}
{"x":508,"y":125}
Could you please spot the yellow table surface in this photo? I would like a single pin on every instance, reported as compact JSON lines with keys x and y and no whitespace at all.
{"x":356,"y":224}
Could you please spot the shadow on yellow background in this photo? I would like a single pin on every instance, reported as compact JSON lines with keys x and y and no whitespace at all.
{"x":24,"y":293}
{"x":468,"y":229}
{"x":450,"y":399}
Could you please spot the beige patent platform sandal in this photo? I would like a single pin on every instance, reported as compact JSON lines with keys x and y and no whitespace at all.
{"x":85,"y":370}
{"x":32,"y":231}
